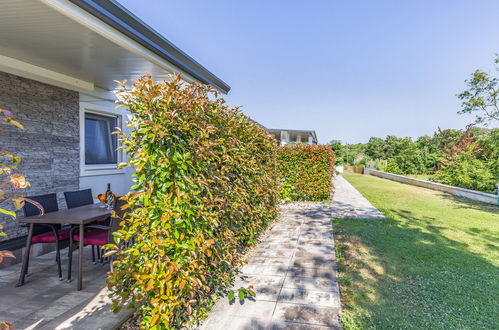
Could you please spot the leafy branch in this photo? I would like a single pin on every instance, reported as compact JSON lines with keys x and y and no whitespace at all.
{"x":11,"y":182}
{"x":242,"y":293}
{"x":481,"y":97}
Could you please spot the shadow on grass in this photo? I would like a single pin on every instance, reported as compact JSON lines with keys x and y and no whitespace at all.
{"x":406,"y":274}
{"x":466,"y":203}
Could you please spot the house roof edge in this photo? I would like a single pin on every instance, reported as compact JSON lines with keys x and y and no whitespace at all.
{"x":118,"y":17}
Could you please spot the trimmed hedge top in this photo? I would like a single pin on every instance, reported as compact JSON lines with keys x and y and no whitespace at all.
{"x":206,"y":185}
{"x":306,"y":171}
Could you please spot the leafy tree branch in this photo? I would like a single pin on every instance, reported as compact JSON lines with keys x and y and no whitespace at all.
{"x":481,"y":97}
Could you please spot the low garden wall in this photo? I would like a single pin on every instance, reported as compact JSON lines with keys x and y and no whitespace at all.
{"x":471,"y":194}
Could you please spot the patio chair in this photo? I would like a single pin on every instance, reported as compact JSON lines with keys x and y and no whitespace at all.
{"x":100,"y":235}
{"x":47,"y":233}
{"x":79,"y":198}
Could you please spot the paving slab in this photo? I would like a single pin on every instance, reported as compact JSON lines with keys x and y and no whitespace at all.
{"x":45,"y":302}
{"x":227,"y":322}
{"x":308,"y":314}
{"x":310,"y":283}
{"x":318,"y":272}
{"x":293,"y":272}
{"x":266,"y":287}
{"x":309,"y":297}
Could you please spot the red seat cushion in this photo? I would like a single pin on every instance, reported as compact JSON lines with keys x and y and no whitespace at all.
{"x":93,"y":237}
{"x":48,"y":237}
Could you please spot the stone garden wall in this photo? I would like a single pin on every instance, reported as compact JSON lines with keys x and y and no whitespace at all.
{"x":49,"y":144}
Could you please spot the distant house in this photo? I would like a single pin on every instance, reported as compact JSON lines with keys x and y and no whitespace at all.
{"x":292,"y":136}
{"x":59,"y":60}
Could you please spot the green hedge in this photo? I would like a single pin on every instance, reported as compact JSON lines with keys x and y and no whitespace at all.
{"x":306,"y":172}
{"x":206,"y":186}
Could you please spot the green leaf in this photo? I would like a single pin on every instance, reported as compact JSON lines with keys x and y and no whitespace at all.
{"x":109,"y":253}
{"x":241,"y":294}
{"x":4,"y":211}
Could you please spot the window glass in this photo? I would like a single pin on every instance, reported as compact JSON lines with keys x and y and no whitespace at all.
{"x":100,"y":144}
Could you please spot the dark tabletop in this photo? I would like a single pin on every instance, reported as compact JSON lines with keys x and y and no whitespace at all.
{"x":76,"y":216}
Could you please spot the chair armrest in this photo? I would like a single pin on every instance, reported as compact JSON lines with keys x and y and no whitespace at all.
{"x":47,"y":225}
{"x":98,"y":227}
{"x":23,"y":224}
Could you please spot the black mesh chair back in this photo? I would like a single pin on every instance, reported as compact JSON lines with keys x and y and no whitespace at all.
{"x":78,"y":198}
{"x":116,"y":220}
{"x":49,"y":204}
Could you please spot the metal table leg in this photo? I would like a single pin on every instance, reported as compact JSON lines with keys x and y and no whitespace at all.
{"x":26,"y":255}
{"x":80,"y":256}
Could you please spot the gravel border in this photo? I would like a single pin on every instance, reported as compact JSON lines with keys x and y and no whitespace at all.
{"x":306,"y":205}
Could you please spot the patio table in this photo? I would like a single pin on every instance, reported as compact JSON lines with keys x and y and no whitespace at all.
{"x":76,"y":216}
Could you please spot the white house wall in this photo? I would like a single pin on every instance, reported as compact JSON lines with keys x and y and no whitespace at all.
{"x":97,"y":178}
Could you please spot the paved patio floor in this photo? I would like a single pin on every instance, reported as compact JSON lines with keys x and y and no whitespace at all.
{"x":44,"y":302}
{"x":293,"y":272}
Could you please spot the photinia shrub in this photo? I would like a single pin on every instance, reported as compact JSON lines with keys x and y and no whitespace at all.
{"x":306,"y":171}
{"x":206,"y":185}
{"x":12,"y":183}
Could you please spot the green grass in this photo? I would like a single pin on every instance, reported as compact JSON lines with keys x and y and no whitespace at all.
{"x":432,"y":264}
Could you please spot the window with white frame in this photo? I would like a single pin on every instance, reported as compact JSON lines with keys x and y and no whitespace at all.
{"x":98,"y":154}
{"x":100,"y":143}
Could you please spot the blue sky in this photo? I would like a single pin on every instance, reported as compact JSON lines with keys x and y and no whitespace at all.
{"x":348,"y":69}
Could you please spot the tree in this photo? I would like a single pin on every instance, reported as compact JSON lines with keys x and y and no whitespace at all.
{"x":338,"y":151}
{"x":452,"y":148}
{"x":402,"y":154}
{"x":355,"y":154}
{"x":375,"y":148}
{"x":482,"y":97}
{"x":430,"y":152}
{"x":393,"y":146}
{"x":467,"y":171}
{"x":410,"y":159}
{"x":490,"y":150}
{"x":469,"y":161}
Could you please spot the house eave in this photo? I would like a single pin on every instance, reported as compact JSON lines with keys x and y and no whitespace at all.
{"x":119,"y":18}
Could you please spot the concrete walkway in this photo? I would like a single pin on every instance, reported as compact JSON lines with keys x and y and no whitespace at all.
{"x":348,"y":202}
{"x":293,"y":272}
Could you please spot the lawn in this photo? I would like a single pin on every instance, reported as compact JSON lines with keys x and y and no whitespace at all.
{"x":432,"y":264}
